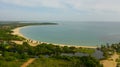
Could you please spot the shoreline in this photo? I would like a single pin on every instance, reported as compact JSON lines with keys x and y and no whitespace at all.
{"x":16,"y":31}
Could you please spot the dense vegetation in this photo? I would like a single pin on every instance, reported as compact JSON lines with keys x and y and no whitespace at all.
{"x":110,"y":49}
{"x":11,"y":52}
{"x":66,"y":61}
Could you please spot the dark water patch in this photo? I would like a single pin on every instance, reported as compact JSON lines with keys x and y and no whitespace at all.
{"x":97,"y":54}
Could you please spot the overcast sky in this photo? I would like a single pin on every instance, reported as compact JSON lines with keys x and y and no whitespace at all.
{"x":62,"y":10}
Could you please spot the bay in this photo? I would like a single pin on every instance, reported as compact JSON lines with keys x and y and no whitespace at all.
{"x":75,"y":33}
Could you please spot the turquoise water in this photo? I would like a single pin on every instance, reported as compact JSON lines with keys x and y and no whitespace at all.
{"x":75,"y":33}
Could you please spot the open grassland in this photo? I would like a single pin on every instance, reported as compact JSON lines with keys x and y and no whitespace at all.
{"x":15,"y":63}
{"x":47,"y":62}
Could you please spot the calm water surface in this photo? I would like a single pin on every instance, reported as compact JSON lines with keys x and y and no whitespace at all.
{"x":97,"y":54}
{"x":75,"y":33}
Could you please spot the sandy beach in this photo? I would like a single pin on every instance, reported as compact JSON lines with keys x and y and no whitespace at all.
{"x":16,"y":31}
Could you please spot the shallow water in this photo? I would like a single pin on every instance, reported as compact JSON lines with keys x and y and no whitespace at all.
{"x":75,"y":33}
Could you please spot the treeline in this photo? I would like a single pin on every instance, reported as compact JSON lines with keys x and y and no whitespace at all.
{"x":42,"y":49}
{"x":12,"y":52}
{"x":15,"y":24}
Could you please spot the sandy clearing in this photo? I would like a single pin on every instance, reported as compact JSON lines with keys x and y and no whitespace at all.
{"x":111,"y":62}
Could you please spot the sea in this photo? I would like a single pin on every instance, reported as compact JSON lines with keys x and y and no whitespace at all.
{"x":75,"y":33}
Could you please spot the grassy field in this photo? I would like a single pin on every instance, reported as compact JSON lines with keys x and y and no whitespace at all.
{"x":85,"y":50}
{"x":11,"y":63}
{"x":50,"y":62}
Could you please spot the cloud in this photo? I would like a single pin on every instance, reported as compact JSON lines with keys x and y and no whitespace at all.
{"x":112,"y":5}
{"x":90,"y":9}
{"x":35,"y":3}
{"x":95,"y":5}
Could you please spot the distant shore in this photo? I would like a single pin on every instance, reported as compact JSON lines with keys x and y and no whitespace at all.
{"x":16,"y":31}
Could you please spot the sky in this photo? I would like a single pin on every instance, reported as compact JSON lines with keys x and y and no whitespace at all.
{"x":60,"y":10}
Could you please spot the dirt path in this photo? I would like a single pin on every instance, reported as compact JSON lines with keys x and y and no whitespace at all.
{"x":28,"y":62}
{"x":109,"y":62}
